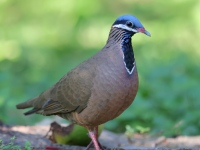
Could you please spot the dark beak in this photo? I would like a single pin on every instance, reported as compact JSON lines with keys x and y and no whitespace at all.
{"x":142,"y":30}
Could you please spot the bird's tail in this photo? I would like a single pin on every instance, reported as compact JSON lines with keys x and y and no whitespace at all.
{"x":28,"y":104}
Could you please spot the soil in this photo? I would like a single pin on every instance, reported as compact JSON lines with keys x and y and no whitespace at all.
{"x":36,"y":136}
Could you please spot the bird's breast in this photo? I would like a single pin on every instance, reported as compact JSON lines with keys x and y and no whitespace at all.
{"x":113,"y":91}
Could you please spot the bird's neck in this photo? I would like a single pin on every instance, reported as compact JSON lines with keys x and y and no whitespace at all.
{"x":118,"y":36}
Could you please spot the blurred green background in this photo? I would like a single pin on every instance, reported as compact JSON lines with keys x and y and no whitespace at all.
{"x":40,"y":41}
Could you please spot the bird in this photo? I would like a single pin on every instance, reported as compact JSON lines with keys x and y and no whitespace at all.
{"x":98,"y":89}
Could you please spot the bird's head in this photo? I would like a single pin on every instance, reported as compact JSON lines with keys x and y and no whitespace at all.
{"x":130,"y":24}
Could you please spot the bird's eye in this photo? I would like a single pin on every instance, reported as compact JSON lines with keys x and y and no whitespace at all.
{"x":129,"y":24}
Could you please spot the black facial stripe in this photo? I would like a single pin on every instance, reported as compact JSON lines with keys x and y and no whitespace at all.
{"x":120,"y":22}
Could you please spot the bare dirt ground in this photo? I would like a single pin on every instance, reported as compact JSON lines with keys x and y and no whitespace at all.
{"x":36,"y":136}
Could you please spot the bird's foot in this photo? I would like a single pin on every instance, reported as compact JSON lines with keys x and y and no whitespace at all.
{"x":91,"y":143}
{"x":97,"y":145}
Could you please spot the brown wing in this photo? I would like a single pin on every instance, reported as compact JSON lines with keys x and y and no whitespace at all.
{"x":74,"y":90}
{"x":70,"y":93}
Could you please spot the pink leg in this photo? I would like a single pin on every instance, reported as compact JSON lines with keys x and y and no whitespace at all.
{"x":94,"y":140}
{"x":94,"y":135}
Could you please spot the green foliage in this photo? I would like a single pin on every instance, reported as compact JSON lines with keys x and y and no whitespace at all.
{"x":27,"y":145}
{"x":42,"y":40}
{"x":12,"y":146}
{"x":131,"y":130}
